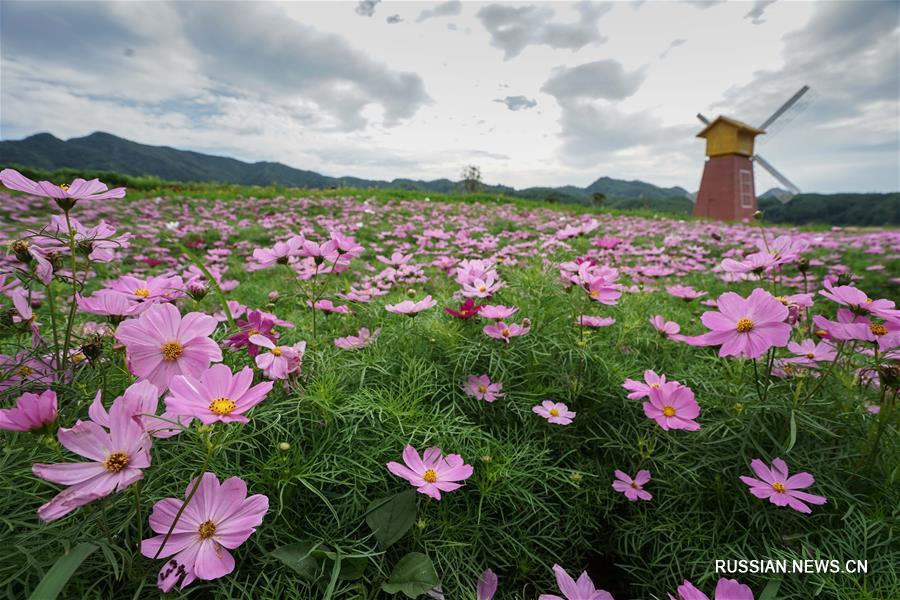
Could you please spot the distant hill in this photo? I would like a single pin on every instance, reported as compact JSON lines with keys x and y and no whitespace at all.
{"x":105,"y":152}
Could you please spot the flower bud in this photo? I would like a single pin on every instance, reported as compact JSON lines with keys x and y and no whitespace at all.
{"x":411,"y":293}
{"x":284,"y":446}
{"x":197,"y":289}
{"x":758,"y":215}
{"x":803,"y":265}
{"x":20,"y":249}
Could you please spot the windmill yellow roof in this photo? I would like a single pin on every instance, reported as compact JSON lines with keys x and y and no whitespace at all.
{"x":729,"y":136}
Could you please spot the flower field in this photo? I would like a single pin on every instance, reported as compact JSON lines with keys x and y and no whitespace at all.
{"x":237,"y":393}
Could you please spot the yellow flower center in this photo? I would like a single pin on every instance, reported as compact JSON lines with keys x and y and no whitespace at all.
{"x":554,"y":412}
{"x":171,"y":350}
{"x":64,"y":187}
{"x":810,"y":355}
{"x":635,"y":485}
{"x":253,"y":332}
{"x":594,"y":294}
{"x":24,"y":371}
{"x":276,"y":351}
{"x":744,"y":325}
{"x":868,"y":300}
{"x":668,"y":411}
{"x":116,"y":461}
{"x":20,"y":245}
{"x":222,"y":406}
{"x":482,"y":389}
{"x":142,"y":292}
{"x":482,"y":288}
{"x":430,"y":476}
{"x":77,"y":357}
{"x":778,"y":487}
{"x":505,"y":332}
{"x":878,"y":329}
{"x":655,"y":385}
{"x":206,"y":529}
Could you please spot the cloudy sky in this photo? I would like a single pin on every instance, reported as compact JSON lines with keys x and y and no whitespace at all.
{"x":535,"y":93}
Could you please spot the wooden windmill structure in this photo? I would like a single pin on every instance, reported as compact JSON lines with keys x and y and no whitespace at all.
{"x":727,"y":190}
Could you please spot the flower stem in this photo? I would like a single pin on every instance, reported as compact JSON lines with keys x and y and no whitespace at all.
{"x":71,"y":320}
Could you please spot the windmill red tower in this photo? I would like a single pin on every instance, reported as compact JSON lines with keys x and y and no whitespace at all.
{"x":727,"y":190}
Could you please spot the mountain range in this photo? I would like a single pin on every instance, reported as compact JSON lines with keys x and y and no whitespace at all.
{"x":101,"y":151}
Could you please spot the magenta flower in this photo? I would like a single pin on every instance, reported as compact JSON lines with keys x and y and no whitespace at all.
{"x":152,"y":289}
{"x":32,"y":412}
{"x":109,"y":303}
{"x":161,"y":344}
{"x":684,"y":292}
{"x":747,"y":327}
{"x":218,"y":395}
{"x":604,"y":291}
{"x":118,"y":458}
{"x":583,"y":589}
{"x":487,"y":585}
{"x":257,"y":323}
{"x":666,"y":328}
{"x":502,"y":331}
{"x":726,"y":589}
{"x":467,"y":309}
{"x":672,"y":406}
{"x":809,"y":353}
{"x":142,"y":400}
{"x":360,"y":340}
{"x":408,"y":307}
{"x":481,"y":388}
{"x":66,"y":194}
{"x":640,"y":390}
{"x":781,"y":490}
{"x":281,"y":253}
{"x":280,"y":361}
{"x":432,"y":473}
{"x":326,"y":305}
{"x":220,"y":517}
{"x":633,"y":488}
{"x":555,"y":412}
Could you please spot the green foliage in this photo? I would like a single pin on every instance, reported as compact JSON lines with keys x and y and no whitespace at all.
{"x":414,"y":575}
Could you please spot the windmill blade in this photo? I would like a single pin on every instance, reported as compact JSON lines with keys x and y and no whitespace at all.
{"x":703,"y":119}
{"x":784,"y":107}
{"x":794,"y":190}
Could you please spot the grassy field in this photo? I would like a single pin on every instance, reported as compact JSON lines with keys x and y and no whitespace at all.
{"x":540,"y":493}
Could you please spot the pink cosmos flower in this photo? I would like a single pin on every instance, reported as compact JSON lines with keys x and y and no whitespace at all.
{"x":281,"y":361}
{"x":152,"y":289}
{"x":281,"y":253}
{"x":109,"y":303}
{"x":360,"y":340}
{"x":502,"y":331}
{"x":79,"y":189}
{"x":218,"y":395}
{"x":395,"y":260}
{"x":118,"y":459}
{"x":482,"y":288}
{"x":666,"y":328}
{"x":408,"y":307}
{"x":781,"y":490}
{"x":589,"y":321}
{"x":583,"y":589}
{"x":684,"y":292}
{"x":257,"y":323}
{"x":161,"y":344}
{"x":326,"y":305}
{"x":859,"y":302}
{"x":672,"y":406}
{"x":633,"y":488}
{"x":31,"y":413}
{"x":432,"y":473}
{"x":481,"y":388}
{"x":604,"y":291}
{"x":497,"y":312}
{"x":554,"y":412}
{"x":142,"y":400}
{"x":27,"y":251}
{"x":640,"y":390}
{"x":726,"y":589}
{"x":809,"y":353}
{"x":849,"y":326}
{"x":747,"y":327}
{"x":220,"y":517}
{"x":487,"y":586}
{"x":756,"y":263}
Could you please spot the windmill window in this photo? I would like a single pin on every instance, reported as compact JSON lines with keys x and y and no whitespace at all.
{"x":746,"y":189}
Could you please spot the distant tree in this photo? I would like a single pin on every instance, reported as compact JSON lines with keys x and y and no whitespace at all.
{"x":471,"y":179}
{"x":598,"y":199}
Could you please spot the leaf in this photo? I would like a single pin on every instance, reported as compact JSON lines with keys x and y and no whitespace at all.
{"x":413,"y":575}
{"x":300,"y":557}
{"x":312,"y":560}
{"x":390,"y":518}
{"x":770,"y":592}
{"x":58,"y":575}
{"x":793,"y":438}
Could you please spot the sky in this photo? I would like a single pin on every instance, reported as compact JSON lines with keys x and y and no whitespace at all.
{"x":539,"y":93}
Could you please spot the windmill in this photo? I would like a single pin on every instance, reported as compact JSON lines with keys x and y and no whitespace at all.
{"x":727,"y":189}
